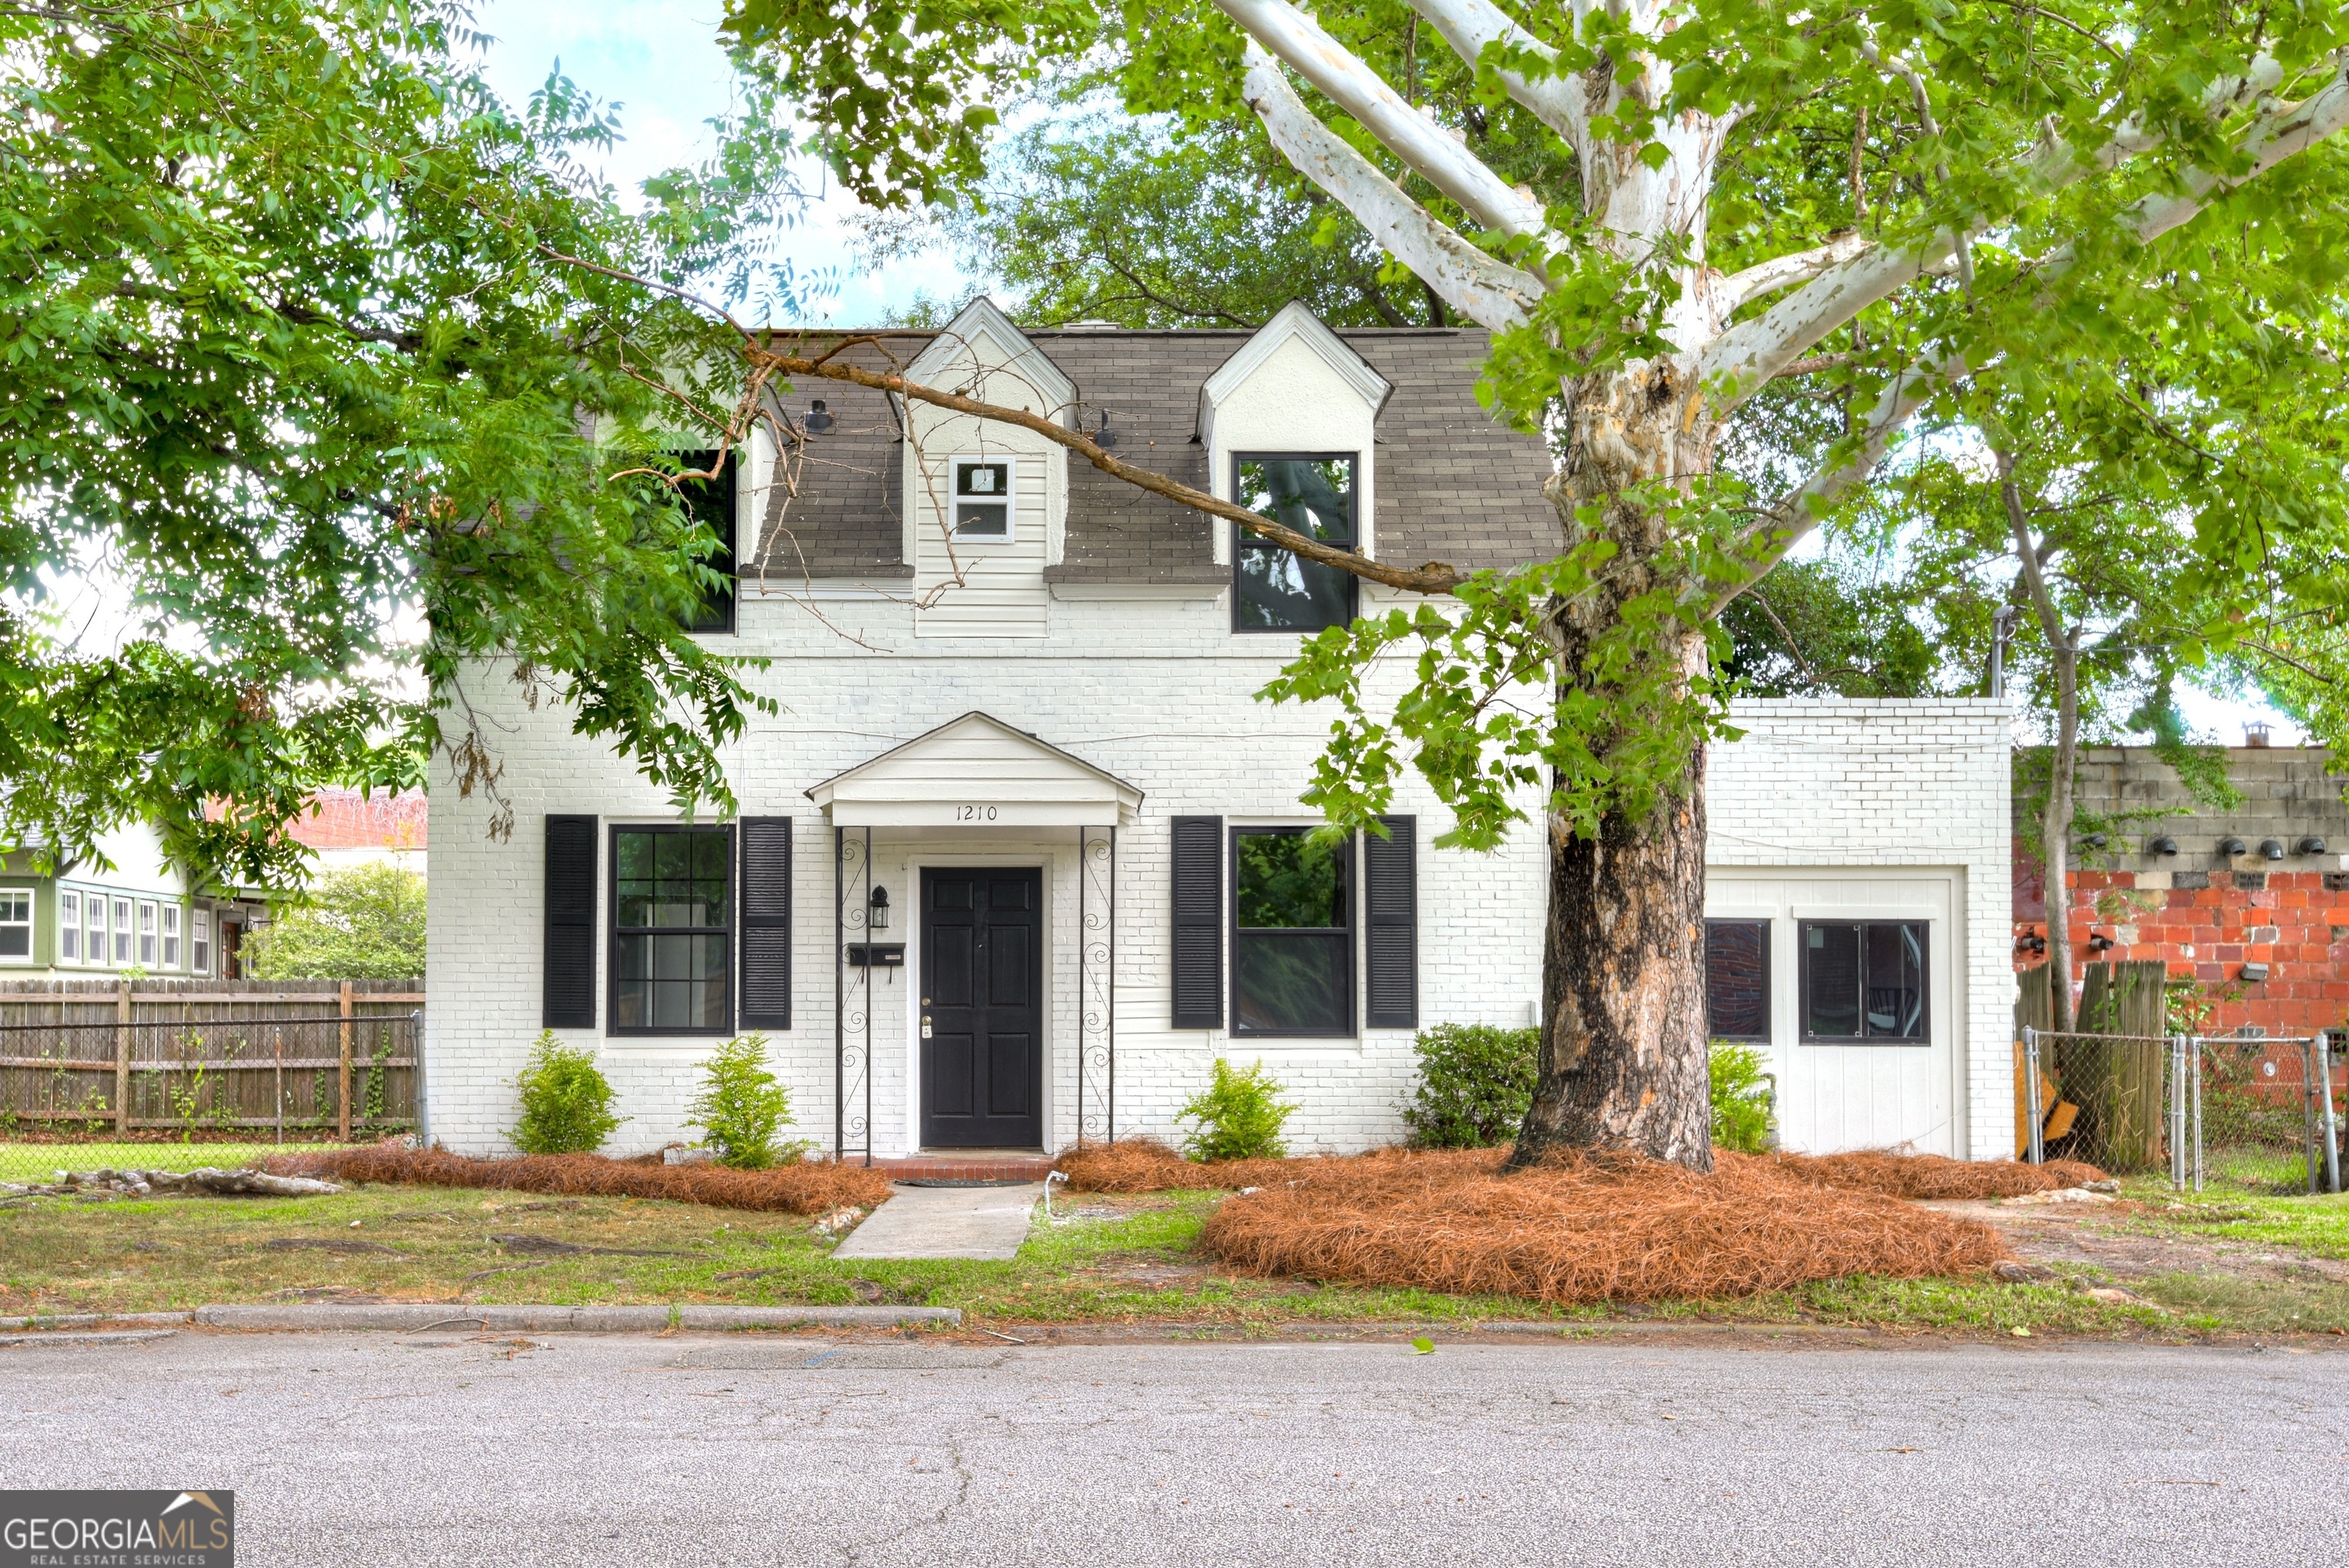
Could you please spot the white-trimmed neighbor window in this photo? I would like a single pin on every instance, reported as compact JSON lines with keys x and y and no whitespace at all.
{"x":16,"y":925}
{"x":170,"y":936}
{"x":146,"y":934}
{"x":203,"y":929}
{"x":122,"y":933}
{"x":68,"y":926}
{"x":983,"y":500}
{"x":93,"y":950}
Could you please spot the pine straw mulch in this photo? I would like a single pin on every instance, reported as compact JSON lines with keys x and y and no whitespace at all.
{"x":810,"y":1187}
{"x":1580,"y":1228}
{"x":1925,"y":1176}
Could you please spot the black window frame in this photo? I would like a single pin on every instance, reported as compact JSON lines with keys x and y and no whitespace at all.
{"x":732,"y":930}
{"x":1767,"y":928}
{"x":1234,"y":934}
{"x":1241,"y":537}
{"x":1803,"y":929}
{"x":718,"y":621}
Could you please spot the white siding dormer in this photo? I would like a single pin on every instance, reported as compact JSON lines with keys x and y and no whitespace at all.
{"x":981,"y":575}
{"x":1294,"y":387}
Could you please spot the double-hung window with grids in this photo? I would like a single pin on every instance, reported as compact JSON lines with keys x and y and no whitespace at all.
{"x":672,"y":931}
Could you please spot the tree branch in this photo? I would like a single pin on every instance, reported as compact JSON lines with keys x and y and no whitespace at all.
{"x":1435,"y":577}
{"x":1783,"y":272}
{"x":1767,"y":541}
{"x":1470,"y":25}
{"x":1488,"y":291}
{"x":1748,"y":355}
{"x":1424,"y":146}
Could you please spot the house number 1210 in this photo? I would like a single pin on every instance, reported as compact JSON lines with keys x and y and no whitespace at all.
{"x":974,"y":813}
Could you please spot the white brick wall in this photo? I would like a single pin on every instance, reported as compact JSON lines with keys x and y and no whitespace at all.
{"x":1171,"y":712}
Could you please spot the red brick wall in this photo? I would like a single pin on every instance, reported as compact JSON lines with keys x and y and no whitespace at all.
{"x":2295,"y":922}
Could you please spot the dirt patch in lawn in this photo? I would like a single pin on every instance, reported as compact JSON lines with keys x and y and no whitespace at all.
{"x":811,"y":1187}
{"x":1581,"y":1229}
{"x":2105,"y":1237}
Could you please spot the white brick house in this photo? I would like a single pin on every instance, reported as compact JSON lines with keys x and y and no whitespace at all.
{"x":1018,"y":725}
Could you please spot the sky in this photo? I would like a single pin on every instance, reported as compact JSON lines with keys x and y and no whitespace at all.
{"x":659,"y":60}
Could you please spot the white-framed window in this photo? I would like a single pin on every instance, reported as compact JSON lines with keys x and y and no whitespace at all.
{"x":16,"y":925}
{"x":202,"y":928}
{"x":122,"y":933}
{"x":93,"y":947}
{"x":68,"y":926}
{"x":170,"y":936}
{"x":147,"y":930}
{"x":985,"y":507}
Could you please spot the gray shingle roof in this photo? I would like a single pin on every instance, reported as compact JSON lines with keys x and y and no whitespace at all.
{"x":1451,"y":484}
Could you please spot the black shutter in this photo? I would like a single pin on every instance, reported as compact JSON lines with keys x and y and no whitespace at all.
{"x":1390,"y":923}
{"x":569,"y":980}
{"x":1198,"y":879}
{"x":766,"y":851}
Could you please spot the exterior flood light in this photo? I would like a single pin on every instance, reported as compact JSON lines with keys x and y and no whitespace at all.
{"x":2255,"y":972}
{"x":2272,"y":847}
{"x":876,"y":916}
{"x":2232,"y":846}
{"x":819,"y":418}
{"x":2093,"y":841}
{"x":2164,"y":845}
{"x":2310,"y":845}
{"x":1105,"y":438}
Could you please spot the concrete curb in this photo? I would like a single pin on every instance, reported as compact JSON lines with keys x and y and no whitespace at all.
{"x":123,"y":1336}
{"x":415,"y":1318}
{"x":88,"y":1319}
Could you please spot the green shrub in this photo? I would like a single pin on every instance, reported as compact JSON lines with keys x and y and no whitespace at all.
{"x":566,"y":1102}
{"x":1240,"y":1115}
{"x":741,"y":1106}
{"x":1740,"y":1097}
{"x":1474,"y":1083}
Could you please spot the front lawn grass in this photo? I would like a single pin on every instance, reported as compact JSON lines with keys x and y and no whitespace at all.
{"x":1124,"y":1261}
{"x":2317,"y":1226}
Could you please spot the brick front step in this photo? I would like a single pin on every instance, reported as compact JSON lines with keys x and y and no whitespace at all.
{"x":967,"y":1168}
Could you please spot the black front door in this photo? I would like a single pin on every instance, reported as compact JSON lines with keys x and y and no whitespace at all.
{"x":982,"y":1017}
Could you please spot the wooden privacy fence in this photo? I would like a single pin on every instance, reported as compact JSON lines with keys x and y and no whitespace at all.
{"x":311,"y":1054}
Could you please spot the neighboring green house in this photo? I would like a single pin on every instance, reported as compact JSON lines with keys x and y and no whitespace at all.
{"x":139,"y":916}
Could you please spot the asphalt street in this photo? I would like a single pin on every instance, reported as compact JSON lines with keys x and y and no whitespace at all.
{"x":438,"y":1449}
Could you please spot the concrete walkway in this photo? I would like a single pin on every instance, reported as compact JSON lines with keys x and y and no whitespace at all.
{"x":985,"y":1223}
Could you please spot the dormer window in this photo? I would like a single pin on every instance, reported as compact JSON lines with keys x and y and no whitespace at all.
{"x":1313,"y":494}
{"x":982,"y":500}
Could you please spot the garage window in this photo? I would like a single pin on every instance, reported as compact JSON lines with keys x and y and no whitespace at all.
{"x":1737,"y":979}
{"x":1865,"y":980}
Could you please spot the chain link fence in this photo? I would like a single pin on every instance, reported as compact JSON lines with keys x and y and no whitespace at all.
{"x":2249,"y":1111}
{"x":85,"y":1094}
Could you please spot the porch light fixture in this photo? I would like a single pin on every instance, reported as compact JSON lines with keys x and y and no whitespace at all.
{"x":2232,"y":846}
{"x":819,"y":419}
{"x":2272,"y":847}
{"x":2164,"y":845}
{"x":1105,"y":438}
{"x":876,"y":910}
{"x":2310,"y":845}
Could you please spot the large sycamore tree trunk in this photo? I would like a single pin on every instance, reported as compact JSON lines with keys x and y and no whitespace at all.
{"x":1623,"y":1041}
{"x":1623,"y":1047}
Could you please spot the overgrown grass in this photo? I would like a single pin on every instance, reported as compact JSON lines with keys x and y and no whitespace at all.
{"x":1124,"y":1261}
